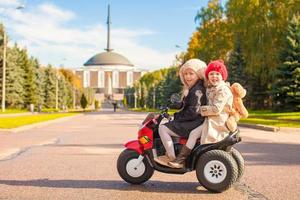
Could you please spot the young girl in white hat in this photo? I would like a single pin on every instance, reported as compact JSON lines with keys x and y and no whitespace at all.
{"x":188,"y":118}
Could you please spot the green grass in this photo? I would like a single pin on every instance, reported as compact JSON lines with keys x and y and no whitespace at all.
{"x":271,"y":122}
{"x":269,"y":113}
{"x":17,"y":121}
{"x":12,"y":111}
{"x":279,"y":119}
{"x":49,"y":110}
{"x":265,"y":117}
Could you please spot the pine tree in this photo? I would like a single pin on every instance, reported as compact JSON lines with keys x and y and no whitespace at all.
{"x":65,"y":92}
{"x":149,"y":97}
{"x":286,"y":90}
{"x":159,"y":94}
{"x":236,"y":64}
{"x":172,"y":84}
{"x":83,"y":101}
{"x":50,"y":81}
{"x":30,"y":76}
{"x":15,"y":78}
{"x":72,"y":83}
{"x":40,"y":82}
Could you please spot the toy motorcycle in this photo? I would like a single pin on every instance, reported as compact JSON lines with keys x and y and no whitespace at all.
{"x":218,"y":166}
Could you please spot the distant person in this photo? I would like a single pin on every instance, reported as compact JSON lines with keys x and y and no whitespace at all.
{"x":115,"y":105}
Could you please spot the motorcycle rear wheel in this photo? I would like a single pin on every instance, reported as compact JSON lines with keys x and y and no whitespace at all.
{"x":216,"y":170}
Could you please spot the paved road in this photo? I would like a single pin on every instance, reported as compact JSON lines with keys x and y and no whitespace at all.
{"x":76,"y":159}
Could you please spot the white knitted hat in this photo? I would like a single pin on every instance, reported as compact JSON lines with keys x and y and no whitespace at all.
{"x":195,"y":64}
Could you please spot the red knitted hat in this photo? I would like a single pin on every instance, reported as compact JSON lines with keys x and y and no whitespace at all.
{"x":217,"y":66}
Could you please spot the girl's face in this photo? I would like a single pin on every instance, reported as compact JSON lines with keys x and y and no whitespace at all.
{"x":190,"y":77}
{"x":214,"y":78}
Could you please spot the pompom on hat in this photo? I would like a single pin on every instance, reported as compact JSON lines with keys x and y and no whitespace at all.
{"x":217,"y":66}
{"x":195,"y":64}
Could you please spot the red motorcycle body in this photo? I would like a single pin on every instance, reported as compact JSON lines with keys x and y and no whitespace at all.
{"x":145,"y":138}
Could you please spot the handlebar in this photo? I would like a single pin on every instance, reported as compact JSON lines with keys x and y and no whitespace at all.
{"x":163,"y":114}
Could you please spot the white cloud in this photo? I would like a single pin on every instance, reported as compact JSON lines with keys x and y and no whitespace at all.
{"x":54,"y":12}
{"x":44,"y":31}
{"x":9,"y":3}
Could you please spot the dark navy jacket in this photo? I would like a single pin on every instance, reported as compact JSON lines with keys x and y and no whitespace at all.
{"x":189,"y":117}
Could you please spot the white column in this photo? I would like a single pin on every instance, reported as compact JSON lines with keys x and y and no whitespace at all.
{"x":129,"y":78}
{"x":101,"y":79}
{"x":109,"y":91}
{"x":86,"y":78}
{"x":115,"y":79}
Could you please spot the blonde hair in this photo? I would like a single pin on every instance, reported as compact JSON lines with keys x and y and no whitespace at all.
{"x":196,"y":65}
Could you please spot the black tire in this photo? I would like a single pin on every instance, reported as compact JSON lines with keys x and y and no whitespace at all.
{"x":239,"y":161}
{"x":129,"y":155}
{"x":216,"y":170}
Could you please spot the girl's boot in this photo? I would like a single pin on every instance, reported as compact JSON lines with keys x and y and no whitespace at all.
{"x":180,"y":160}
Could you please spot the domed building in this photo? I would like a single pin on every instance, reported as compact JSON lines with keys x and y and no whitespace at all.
{"x":109,"y":73}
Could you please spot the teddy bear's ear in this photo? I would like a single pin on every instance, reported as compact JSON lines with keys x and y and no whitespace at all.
{"x":238,"y":90}
{"x":234,"y":88}
{"x":242,"y":91}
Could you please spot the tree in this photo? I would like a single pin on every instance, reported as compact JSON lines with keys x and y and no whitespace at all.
{"x":129,"y":95}
{"x":64,"y":93}
{"x":71,"y":78}
{"x":30,"y":75}
{"x":83,"y":101}
{"x":286,"y":89}
{"x":40,"y":82}
{"x":15,"y":78}
{"x":260,"y":24}
{"x":164,"y":87}
{"x":236,"y":65}
{"x":89,"y":93}
{"x":50,"y":84}
{"x":194,"y":46}
{"x":27,"y":82}
{"x":74,"y":85}
{"x":171,"y":84}
{"x":214,"y":38}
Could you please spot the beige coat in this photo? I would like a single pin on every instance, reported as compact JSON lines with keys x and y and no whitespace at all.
{"x":219,"y":101}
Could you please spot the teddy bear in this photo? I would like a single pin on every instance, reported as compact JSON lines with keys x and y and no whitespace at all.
{"x":238,"y":110}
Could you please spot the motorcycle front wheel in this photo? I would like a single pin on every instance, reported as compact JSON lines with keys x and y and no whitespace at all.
{"x":131,"y":170}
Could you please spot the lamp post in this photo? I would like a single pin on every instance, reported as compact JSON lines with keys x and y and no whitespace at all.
{"x":179,"y":58}
{"x":56,"y":90}
{"x":4,"y":63}
{"x":57,"y":76}
{"x":3,"y":70}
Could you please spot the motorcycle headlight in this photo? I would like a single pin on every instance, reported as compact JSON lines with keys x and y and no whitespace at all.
{"x":144,"y":140}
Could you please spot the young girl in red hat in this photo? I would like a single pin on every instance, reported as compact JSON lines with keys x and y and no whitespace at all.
{"x":219,"y":101}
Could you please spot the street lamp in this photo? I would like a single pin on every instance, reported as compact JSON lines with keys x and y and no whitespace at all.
{"x":4,"y":63}
{"x":179,"y":58}
{"x":20,"y":7}
{"x":56,"y":83}
{"x":56,"y":90}
{"x":3,"y":70}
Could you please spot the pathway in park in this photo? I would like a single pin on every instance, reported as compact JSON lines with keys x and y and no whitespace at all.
{"x":76,"y":159}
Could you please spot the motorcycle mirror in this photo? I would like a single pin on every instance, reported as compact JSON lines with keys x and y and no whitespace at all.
{"x":175,"y":98}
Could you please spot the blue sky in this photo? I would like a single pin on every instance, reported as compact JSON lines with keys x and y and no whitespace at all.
{"x":69,"y":32}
